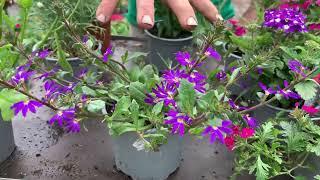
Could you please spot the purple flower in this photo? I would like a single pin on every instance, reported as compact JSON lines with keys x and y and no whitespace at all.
{"x":267,"y":90}
{"x":252,"y":122}
{"x":43,"y":54}
{"x":83,"y":72}
{"x":63,"y":117}
{"x":107,"y":53}
{"x":221,"y":76}
{"x":233,"y":105}
{"x":25,"y":106}
{"x":217,"y":132}
{"x":47,"y":74}
{"x":184,"y":59}
{"x":289,"y":20}
{"x":68,"y":89}
{"x":51,"y":89}
{"x":173,"y":77}
{"x":200,"y":87}
{"x":196,"y":77}
{"x":287,"y":94}
{"x":73,"y":126}
{"x":85,"y":38}
{"x":21,"y":77}
{"x":165,"y":92}
{"x":260,"y":70}
{"x":178,"y":121}
{"x":213,"y":53}
{"x":297,"y":67}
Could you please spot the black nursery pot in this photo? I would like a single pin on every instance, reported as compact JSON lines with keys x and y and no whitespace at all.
{"x":7,"y":144}
{"x":164,"y":47}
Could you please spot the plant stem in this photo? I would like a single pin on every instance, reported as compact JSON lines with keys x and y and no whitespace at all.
{"x":27,"y":94}
{"x":1,"y":11}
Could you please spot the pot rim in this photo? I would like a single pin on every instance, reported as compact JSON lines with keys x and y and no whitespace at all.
{"x":166,"y":39}
{"x":68,"y":59}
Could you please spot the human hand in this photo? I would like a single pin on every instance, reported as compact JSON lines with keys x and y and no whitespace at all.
{"x":145,"y":11}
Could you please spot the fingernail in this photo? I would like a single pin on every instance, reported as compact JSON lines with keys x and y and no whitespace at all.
{"x":101,"y":18}
{"x":146,"y":19}
{"x":219,"y":17}
{"x":192,"y":21}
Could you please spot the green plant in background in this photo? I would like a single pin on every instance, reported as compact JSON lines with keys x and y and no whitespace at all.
{"x":48,"y":13}
{"x":279,"y":147}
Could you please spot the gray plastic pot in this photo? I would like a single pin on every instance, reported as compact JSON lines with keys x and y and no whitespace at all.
{"x":267,"y":111}
{"x":7,"y":144}
{"x":142,"y":165}
{"x":75,"y":63}
{"x":164,"y":47}
{"x":314,"y":162}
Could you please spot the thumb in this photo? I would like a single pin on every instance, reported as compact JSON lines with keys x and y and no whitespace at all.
{"x":105,"y":10}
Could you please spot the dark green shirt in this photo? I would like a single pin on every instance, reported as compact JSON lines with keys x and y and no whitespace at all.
{"x":225,"y":7}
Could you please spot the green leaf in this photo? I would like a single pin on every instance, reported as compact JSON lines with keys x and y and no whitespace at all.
{"x":234,"y":74}
{"x":120,"y":128}
{"x":137,"y":91}
{"x":154,"y":136}
{"x":187,"y":97}
{"x":7,"y":98}
{"x":122,"y":107}
{"x":88,"y":91}
{"x":157,"y":108}
{"x":62,"y":61}
{"x":262,"y":169}
{"x":317,"y":177}
{"x":136,"y":55}
{"x":96,"y":106}
{"x":147,"y":73}
{"x":307,"y":89}
{"x":244,"y":43}
{"x":134,"y":109}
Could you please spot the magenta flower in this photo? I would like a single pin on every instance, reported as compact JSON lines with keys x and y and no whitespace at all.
{"x":107,"y":53}
{"x":184,"y":59}
{"x":165,"y":92}
{"x":267,"y":91}
{"x":314,"y":27}
{"x":25,"y":106}
{"x":240,"y":31}
{"x":213,"y":53}
{"x":173,"y":77}
{"x":63,"y":117}
{"x":217,"y":132}
{"x":251,"y":121}
{"x":177,"y":121}
{"x":310,"y":110}
{"x":247,"y":133}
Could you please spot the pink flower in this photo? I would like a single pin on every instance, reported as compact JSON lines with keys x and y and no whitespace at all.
{"x":247,"y":133}
{"x":318,"y":2}
{"x":240,"y":31}
{"x":314,"y":26}
{"x":235,"y":130}
{"x":233,"y":22}
{"x":310,"y":110}
{"x":116,"y":17}
{"x":306,"y":4}
{"x":229,"y":141}
{"x":317,"y":78}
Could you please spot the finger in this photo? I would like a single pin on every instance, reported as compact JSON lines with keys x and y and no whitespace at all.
{"x":184,"y":12}
{"x":145,"y":13}
{"x":105,"y":10}
{"x":206,"y":8}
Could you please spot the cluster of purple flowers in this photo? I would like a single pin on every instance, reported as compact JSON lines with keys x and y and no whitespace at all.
{"x":22,"y":75}
{"x":217,"y":132}
{"x":177,"y":121}
{"x":67,"y":119}
{"x":289,"y":20}
{"x":53,"y":89}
